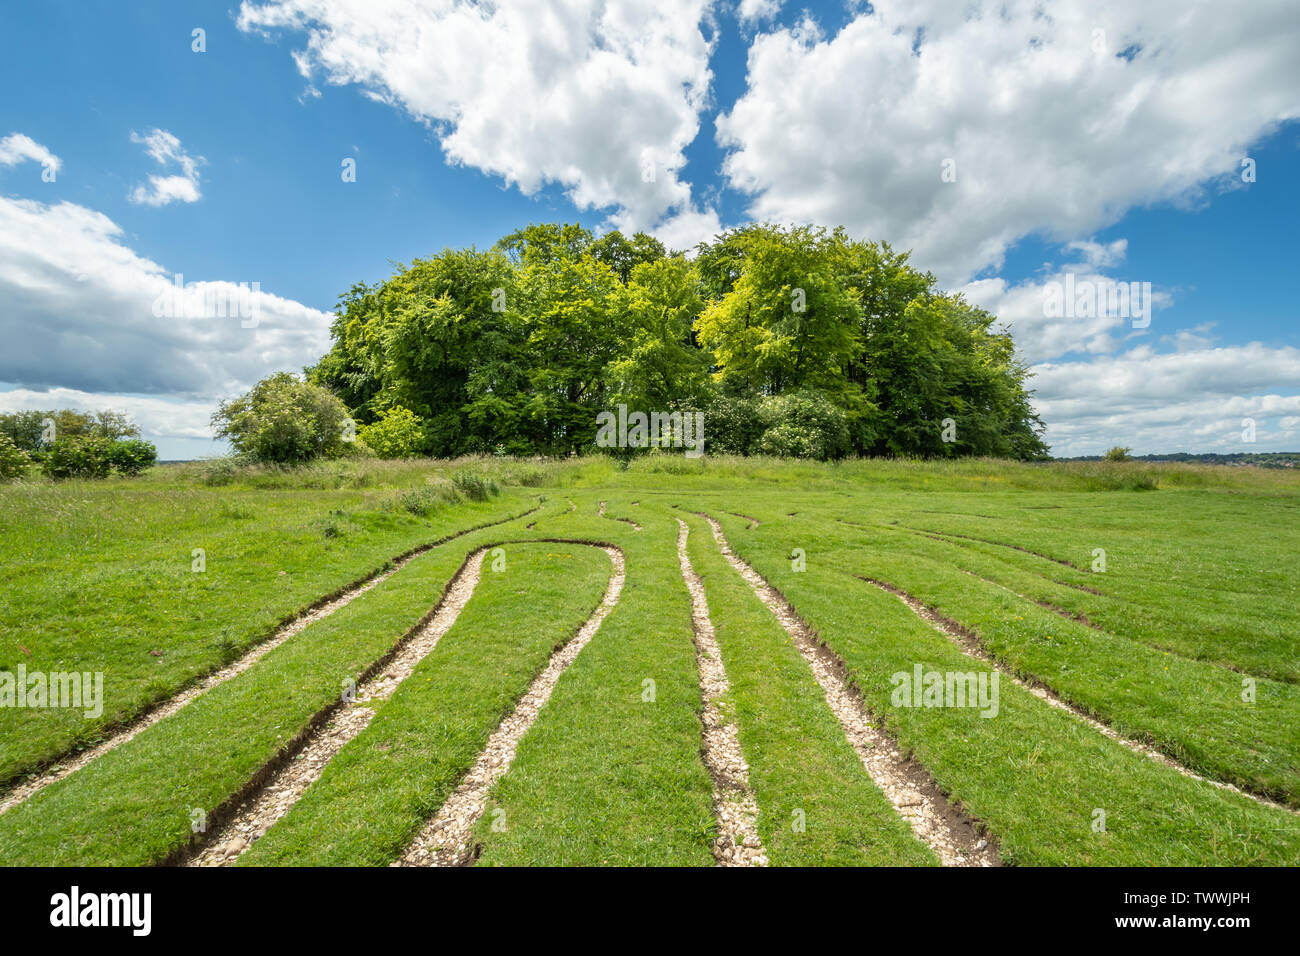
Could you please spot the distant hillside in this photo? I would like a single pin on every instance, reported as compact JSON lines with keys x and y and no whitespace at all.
{"x":1260,"y":459}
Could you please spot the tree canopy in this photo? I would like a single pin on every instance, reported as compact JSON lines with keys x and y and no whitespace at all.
{"x":798,"y":341}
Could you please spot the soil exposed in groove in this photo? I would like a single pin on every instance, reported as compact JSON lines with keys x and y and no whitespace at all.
{"x":1077,"y":616}
{"x":284,"y":788}
{"x":1081,"y":618}
{"x":317,"y":611}
{"x":970,"y":642}
{"x":753,"y":522}
{"x":446,"y":840}
{"x":935,"y":537}
{"x":738,"y":842}
{"x":999,"y":544}
{"x":939,"y":823}
{"x":601,"y":512}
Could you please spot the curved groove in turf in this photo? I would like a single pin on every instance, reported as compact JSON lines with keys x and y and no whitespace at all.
{"x":262,"y":800}
{"x":320,"y":609}
{"x":969,"y":643}
{"x":733,"y":798}
{"x":282,"y":789}
{"x":1081,"y":618}
{"x":1001,"y":544}
{"x":953,"y":835}
{"x":963,"y":543}
{"x":601,"y":513}
{"x":446,"y":840}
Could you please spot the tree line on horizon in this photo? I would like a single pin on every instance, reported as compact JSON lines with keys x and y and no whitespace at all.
{"x":794,"y":341}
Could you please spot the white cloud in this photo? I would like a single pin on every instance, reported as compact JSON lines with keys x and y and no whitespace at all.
{"x":750,"y":11}
{"x":1048,"y":135}
{"x":158,"y":418}
{"x":1191,"y":400}
{"x":165,"y":149}
{"x":1100,"y":255}
{"x":600,"y":97}
{"x":17,"y":147}
{"x":80,"y":312}
{"x":1022,"y":307}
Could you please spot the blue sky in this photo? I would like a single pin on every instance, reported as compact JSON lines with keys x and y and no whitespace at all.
{"x":831,"y":113}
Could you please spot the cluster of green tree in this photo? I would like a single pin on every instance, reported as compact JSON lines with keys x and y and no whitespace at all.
{"x":791,"y":341}
{"x":72,"y":444}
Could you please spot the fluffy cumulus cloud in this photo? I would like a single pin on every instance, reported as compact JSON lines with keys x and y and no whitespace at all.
{"x":1198,"y":399}
{"x":1048,"y":118}
{"x":1106,"y":307}
{"x":599,"y":97}
{"x":1104,"y":378}
{"x":750,"y":11}
{"x":166,"y":150}
{"x":18,"y":147}
{"x":83,"y":311}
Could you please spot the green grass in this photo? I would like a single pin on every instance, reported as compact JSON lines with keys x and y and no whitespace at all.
{"x":798,"y":756}
{"x":98,"y":577}
{"x":605,"y":776}
{"x":1200,"y":593}
{"x":376,"y":794}
{"x":1033,"y":774}
{"x":133,"y":805}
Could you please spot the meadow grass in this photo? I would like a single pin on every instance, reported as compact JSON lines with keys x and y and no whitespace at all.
{"x":377,"y":793}
{"x":1188,"y":641}
{"x":100,"y":578}
{"x":817,"y":804}
{"x":610,"y":774}
{"x":135,"y":804}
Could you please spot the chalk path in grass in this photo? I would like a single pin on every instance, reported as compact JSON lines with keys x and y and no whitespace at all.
{"x":276,"y":797}
{"x":318,"y":612}
{"x":951,"y":834}
{"x":447,"y":839}
{"x":970,"y":644}
{"x":1079,"y":617}
{"x":738,"y":842}
{"x":601,"y":513}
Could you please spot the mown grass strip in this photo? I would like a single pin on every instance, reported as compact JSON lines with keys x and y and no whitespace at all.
{"x":446,"y":840}
{"x":318,"y":611}
{"x":1193,"y":712}
{"x":1196,"y":713}
{"x":1035,"y":775}
{"x":135,"y":611}
{"x":611,"y":771}
{"x":817,"y":804}
{"x":1184,"y":570}
{"x":382,"y":787}
{"x":137,"y":803}
{"x":1215,"y":637}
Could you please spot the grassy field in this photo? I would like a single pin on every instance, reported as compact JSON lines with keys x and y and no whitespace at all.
{"x":1125,"y":607}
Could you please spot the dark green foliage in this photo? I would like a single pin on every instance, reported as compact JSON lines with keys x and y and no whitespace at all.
{"x":33,"y":431}
{"x":132,"y":456}
{"x":515,"y":351}
{"x":285,"y":420}
{"x":92,"y":456}
{"x":81,"y":457}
